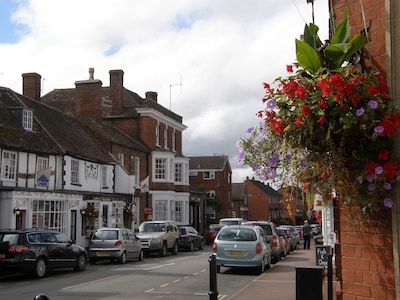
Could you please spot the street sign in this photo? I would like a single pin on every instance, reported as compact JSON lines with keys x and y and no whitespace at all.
{"x":321,"y":254}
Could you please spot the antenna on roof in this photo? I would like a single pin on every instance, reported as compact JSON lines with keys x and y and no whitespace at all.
{"x":170,"y":87}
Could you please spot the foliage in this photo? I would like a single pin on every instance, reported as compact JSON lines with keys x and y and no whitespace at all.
{"x":326,"y":127}
{"x":90,"y":211}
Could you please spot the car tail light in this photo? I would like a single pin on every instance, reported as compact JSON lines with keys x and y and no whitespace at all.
{"x":258,"y":248}
{"x":275,"y":241}
{"x":118,"y":243}
{"x":185,"y":236}
{"x":17,"y":249}
{"x":214,"y":248}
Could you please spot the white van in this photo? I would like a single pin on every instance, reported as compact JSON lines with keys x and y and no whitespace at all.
{"x":231,"y":221}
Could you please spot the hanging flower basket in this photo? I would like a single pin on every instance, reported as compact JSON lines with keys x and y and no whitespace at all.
{"x":326,"y":126}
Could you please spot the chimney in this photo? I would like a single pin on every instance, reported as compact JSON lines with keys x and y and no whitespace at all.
{"x":151,"y":95}
{"x":88,"y":97}
{"x":117,"y":90}
{"x":31,"y":85}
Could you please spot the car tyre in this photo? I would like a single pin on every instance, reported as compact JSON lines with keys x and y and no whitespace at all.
{"x":81,"y":263}
{"x":174,"y":250}
{"x":122,"y":258}
{"x":141,"y":255}
{"x":261,"y":268}
{"x":191,"y":247}
{"x":40,"y":268}
{"x":163,"y":250}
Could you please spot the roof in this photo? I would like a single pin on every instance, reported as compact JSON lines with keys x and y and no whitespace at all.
{"x":218,"y":163}
{"x":54,"y":132}
{"x":266,"y":189}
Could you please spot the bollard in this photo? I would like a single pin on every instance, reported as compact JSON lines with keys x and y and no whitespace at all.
{"x":41,"y":297}
{"x":213,"y":293}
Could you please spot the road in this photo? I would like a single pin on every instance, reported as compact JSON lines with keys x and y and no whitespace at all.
{"x":183,"y":276}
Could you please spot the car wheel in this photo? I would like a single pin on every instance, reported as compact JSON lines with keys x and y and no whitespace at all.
{"x":163,"y":250}
{"x":268,"y":266}
{"x":191,"y":247}
{"x":218,"y":269}
{"x":122,"y":258}
{"x":141,"y":255}
{"x":175,"y":249}
{"x":261,"y":268}
{"x":40,"y":268}
{"x":201,"y":247}
{"x":81,"y":263}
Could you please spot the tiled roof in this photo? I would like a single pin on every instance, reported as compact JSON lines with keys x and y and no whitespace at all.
{"x":53,"y":132}
{"x":208,"y":162}
{"x":266,"y":189}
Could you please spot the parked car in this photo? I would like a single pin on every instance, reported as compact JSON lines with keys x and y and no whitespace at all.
{"x":115,"y":244}
{"x":299,"y":230}
{"x":35,"y":251}
{"x":189,"y":238}
{"x":293,"y":234}
{"x":159,"y":236}
{"x":315,"y":229}
{"x":285,"y":242}
{"x":242,"y":246}
{"x":272,"y":236}
{"x":212,"y":232}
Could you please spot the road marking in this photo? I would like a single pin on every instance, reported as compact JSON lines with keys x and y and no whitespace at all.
{"x":197,"y":273}
{"x":164,"y":285}
{"x":176,"y":280}
{"x":149,"y":291}
{"x":158,"y":266}
{"x":186,"y":277}
{"x":89,"y":282}
{"x":203,"y":270}
{"x":22,"y":283}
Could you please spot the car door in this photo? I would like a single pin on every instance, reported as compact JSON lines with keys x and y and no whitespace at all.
{"x":135,"y":245}
{"x":127,"y":243}
{"x":66,"y":250}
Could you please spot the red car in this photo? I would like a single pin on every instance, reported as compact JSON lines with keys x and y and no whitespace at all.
{"x":212,"y":232}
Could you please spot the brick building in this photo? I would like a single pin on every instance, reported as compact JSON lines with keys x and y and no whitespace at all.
{"x":367,"y":256}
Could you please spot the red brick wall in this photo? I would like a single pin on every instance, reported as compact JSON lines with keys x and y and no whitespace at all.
{"x":364,"y":254}
{"x":258,"y":203}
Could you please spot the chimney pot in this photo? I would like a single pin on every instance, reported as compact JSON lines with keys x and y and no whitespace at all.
{"x":91,"y":73}
{"x":31,"y":85}
{"x":151,"y":95}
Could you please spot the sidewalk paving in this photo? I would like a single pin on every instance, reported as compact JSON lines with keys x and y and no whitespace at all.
{"x":279,"y":282}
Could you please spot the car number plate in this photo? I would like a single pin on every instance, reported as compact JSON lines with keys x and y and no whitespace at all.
{"x":235,"y":253}
{"x":103,"y":253}
{"x":2,"y":256}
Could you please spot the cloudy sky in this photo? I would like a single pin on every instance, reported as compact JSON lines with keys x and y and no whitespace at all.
{"x":206,"y":59}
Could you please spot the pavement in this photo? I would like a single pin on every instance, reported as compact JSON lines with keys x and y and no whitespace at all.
{"x":279,"y":282}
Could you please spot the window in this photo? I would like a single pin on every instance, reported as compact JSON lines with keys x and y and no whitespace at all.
{"x":9,"y":165}
{"x":74,"y":171}
{"x":49,"y":214}
{"x":178,"y":173}
{"x":208,"y":174}
{"x":27,"y":119}
{"x":160,"y":168}
{"x":210,"y":194}
{"x":160,"y":210}
{"x":137,"y":171}
{"x":104,"y":177}
{"x":179,"y":211}
{"x":121,"y":159}
{"x":42,"y":163}
{"x":166,"y":138}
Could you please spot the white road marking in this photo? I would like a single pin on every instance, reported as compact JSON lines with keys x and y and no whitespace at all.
{"x":163,"y":285}
{"x":157,"y":267}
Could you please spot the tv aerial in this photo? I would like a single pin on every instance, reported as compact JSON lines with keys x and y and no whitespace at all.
{"x":170,"y":91}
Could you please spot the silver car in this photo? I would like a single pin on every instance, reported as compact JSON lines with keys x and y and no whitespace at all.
{"x":242,"y":246}
{"x":115,"y":244}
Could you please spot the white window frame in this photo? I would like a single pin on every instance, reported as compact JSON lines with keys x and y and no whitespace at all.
{"x":160,"y":210}
{"x":75,"y":168}
{"x":179,"y":208}
{"x":208,"y":175}
{"x":27,"y":119}
{"x":121,"y":159}
{"x":42,"y":163}
{"x":210,"y":194}
{"x":51,"y":214}
{"x":9,"y":165}
{"x":104,"y":177}
{"x":178,"y":173}
{"x":160,"y":168}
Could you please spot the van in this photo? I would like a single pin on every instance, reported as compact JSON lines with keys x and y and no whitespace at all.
{"x":231,"y":221}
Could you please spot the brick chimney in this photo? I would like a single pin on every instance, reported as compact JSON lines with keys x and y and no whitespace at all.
{"x":151,"y":95}
{"x":31,"y":85}
{"x":88,"y":97}
{"x":117,"y":90}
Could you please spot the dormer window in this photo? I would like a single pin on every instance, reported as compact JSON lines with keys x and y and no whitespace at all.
{"x":27,"y":119}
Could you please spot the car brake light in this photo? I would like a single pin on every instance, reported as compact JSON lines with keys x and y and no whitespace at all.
{"x":17,"y":249}
{"x":184,"y":236}
{"x":118,"y":243}
{"x":274,"y":241}
{"x":214,"y":248}
{"x":258,"y":248}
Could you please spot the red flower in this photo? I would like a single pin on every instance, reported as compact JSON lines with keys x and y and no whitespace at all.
{"x":324,"y":86}
{"x":277,"y":126}
{"x":322,"y":104}
{"x":390,"y":169}
{"x":322,"y":120}
{"x":383,"y":154}
{"x":370,"y":168}
{"x":306,"y":110}
{"x":289,"y":68}
{"x":299,"y":121}
{"x":301,"y":92}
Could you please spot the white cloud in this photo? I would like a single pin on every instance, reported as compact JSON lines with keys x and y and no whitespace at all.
{"x":223,"y":51}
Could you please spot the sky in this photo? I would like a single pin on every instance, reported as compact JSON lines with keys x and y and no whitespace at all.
{"x":206,"y":59}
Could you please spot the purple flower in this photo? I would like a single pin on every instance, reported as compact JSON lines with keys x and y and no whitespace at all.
{"x":370,"y":178}
{"x":271,"y":104}
{"x":239,"y":144}
{"x":373,"y":104}
{"x":378,"y":170}
{"x":250,"y":130}
{"x":271,"y":174}
{"x":379,"y":129}
{"x":240,"y":157}
{"x":387,"y":186}
{"x":360,"y":112}
{"x":272,"y":162}
{"x":388,"y":202}
{"x":255,"y":167}
{"x":288,"y":157}
{"x":262,"y":176}
{"x":372,"y":187}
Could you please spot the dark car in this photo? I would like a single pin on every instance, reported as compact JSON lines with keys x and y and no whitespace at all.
{"x":212,"y":232}
{"x":190,"y":239}
{"x":35,"y":251}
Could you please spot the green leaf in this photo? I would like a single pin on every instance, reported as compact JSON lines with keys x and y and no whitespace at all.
{"x":342,"y":31}
{"x":307,"y":57}
{"x":311,"y":36}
